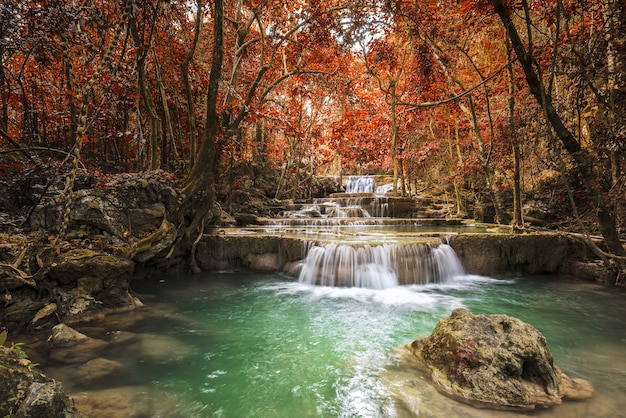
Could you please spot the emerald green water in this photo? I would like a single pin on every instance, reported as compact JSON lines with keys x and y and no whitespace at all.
{"x":262,"y":346}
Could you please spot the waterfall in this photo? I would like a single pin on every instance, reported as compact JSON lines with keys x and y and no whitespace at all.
{"x":379,"y":266}
{"x":360,"y":184}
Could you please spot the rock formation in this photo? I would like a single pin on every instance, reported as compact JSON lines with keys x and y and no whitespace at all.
{"x":494,"y":361}
{"x":26,"y":392}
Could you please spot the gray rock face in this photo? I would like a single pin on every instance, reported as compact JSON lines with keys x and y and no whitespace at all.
{"x":494,"y":361}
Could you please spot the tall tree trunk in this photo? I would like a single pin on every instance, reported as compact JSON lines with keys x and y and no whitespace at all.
{"x":518,"y":221}
{"x":612,"y":11}
{"x":156,"y":131}
{"x":584,"y":162}
{"x":169,"y":132}
{"x":394,"y":139}
{"x":191,"y":113}
{"x":201,"y":179}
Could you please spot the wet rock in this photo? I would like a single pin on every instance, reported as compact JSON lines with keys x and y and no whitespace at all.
{"x":28,"y":393}
{"x":494,"y":361}
{"x":98,"y":369}
{"x":262,"y":262}
{"x":63,"y":336}
{"x":77,"y":354}
{"x":132,"y":401}
{"x":153,"y":348}
{"x":505,"y":253}
{"x":101,"y":281}
{"x":293,"y":268}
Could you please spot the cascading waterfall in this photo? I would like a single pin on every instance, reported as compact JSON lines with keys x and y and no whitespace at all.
{"x":373,"y":260}
{"x":360,"y":184}
{"x":379,"y":266}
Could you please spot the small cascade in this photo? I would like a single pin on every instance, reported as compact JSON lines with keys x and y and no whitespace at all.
{"x":379,"y":266}
{"x":364,"y":238}
{"x":384,"y":189}
{"x":360,"y":184}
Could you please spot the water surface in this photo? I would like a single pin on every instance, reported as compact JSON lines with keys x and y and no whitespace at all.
{"x":251,"y":345}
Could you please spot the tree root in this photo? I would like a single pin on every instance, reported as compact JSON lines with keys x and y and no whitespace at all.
{"x":613,"y":262}
{"x":147,"y":244}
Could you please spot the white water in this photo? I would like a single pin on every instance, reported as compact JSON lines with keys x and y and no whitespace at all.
{"x":379,"y":266}
{"x":360,"y":184}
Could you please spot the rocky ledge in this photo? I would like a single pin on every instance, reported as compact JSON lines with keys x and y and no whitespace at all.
{"x":26,"y":392}
{"x":494,"y":361}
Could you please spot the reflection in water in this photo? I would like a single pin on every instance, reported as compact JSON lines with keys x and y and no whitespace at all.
{"x":244,"y":345}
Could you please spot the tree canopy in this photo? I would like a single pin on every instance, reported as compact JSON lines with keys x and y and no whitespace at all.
{"x":481,"y":97}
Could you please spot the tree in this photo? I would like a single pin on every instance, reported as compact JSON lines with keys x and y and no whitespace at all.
{"x":583,"y":160}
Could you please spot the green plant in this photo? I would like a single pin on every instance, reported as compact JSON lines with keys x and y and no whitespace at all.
{"x":15,"y":403}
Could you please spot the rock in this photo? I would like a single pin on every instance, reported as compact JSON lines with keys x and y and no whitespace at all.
{"x":159,"y":241}
{"x":44,"y":312}
{"x":46,"y":400}
{"x":494,"y":361}
{"x":98,"y":369}
{"x":28,"y":393}
{"x":133,"y":401}
{"x":78,"y":354}
{"x":153,"y":348}
{"x":143,"y":220}
{"x":293,"y":268}
{"x":262,"y":262}
{"x":63,"y":336}
{"x":102,"y":281}
{"x":19,"y":312}
{"x":76,"y":263}
{"x":504,"y":253}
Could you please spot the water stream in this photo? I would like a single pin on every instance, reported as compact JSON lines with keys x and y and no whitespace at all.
{"x":251,"y":345}
{"x":236,"y":344}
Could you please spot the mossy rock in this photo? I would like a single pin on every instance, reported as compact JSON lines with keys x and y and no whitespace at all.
{"x":494,"y":361}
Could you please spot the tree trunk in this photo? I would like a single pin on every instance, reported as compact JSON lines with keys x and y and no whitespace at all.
{"x":191,"y":113}
{"x":156,"y":131}
{"x":518,"y":221}
{"x":169,"y":131}
{"x":201,"y":179}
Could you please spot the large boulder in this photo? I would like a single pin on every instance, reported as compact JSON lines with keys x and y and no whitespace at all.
{"x":494,"y":361}
{"x":96,"y":280}
{"x":27,"y":393}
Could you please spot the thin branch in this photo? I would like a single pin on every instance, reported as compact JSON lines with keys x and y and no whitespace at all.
{"x":458,"y":96}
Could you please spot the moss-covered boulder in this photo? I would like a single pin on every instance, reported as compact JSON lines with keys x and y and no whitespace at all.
{"x":494,"y":361}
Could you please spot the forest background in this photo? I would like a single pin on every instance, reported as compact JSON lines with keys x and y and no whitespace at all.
{"x":494,"y":102}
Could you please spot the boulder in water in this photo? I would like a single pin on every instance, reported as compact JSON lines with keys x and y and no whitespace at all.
{"x":494,"y":361}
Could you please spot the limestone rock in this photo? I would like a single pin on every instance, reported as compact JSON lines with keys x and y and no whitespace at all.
{"x":78,"y":354}
{"x":76,"y":263}
{"x":262,"y":262}
{"x":494,"y":361}
{"x":63,"y":336}
{"x":28,"y":393}
{"x":101,"y":279}
{"x":98,"y":369}
{"x":153,"y":348}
